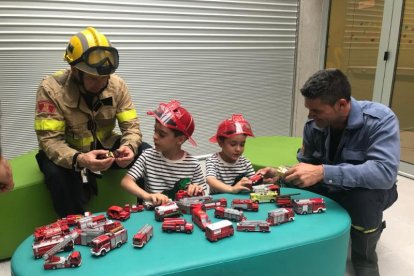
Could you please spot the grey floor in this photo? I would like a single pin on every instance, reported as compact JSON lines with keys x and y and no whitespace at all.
{"x":396,"y":247}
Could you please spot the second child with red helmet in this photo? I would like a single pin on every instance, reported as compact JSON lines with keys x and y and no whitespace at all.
{"x":165,"y":165}
{"x":228,"y":171}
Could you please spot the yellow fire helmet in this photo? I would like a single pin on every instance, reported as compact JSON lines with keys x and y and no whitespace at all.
{"x":91,"y":52}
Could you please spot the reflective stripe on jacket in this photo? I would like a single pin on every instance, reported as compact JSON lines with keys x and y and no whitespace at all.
{"x":65,"y":125}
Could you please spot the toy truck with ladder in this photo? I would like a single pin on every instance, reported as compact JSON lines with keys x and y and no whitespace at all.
{"x":280,"y":215}
{"x":177,"y":225}
{"x":229,"y":213}
{"x":309,"y":205}
{"x":143,"y":236}
{"x":73,"y":260}
{"x":168,"y":210}
{"x":43,"y":246}
{"x":108,"y":241}
{"x":253,"y":226}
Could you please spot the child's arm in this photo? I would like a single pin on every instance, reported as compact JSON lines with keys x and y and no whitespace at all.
{"x":217,"y":185}
{"x":130,"y":186}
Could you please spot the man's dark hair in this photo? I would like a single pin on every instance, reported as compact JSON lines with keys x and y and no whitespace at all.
{"x":329,"y":85}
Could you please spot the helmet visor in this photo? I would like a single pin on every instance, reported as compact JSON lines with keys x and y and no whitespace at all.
{"x":104,"y":60}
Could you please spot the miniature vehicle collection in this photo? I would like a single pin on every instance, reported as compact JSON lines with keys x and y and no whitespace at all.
{"x":102,"y":234}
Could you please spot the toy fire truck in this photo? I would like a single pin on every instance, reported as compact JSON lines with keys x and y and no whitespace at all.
{"x":73,"y":260}
{"x":177,"y":225}
{"x":58,"y":243}
{"x":266,"y":187}
{"x":280,"y":215}
{"x":253,"y":226}
{"x":229,"y":213}
{"x":59,"y":228}
{"x":219,"y":230}
{"x":91,"y":221}
{"x":89,"y":233}
{"x":183,"y":194}
{"x":117,"y":212}
{"x":211,"y":204}
{"x":108,"y":241}
{"x":133,"y":208}
{"x":71,"y":220}
{"x":264,"y":196}
{"x":200,"y":217}
{"x":143,"y":236}
{"x":309,"y":205}
{"x":167,"y":210}
{"x":245,"y":204}
{"x":285,"y":200}
{"x":256,"y":179}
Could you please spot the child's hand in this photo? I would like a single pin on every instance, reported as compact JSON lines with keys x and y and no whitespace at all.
{"x":157,"y":199}
{"x":243,"y":185}
{"x":193,"y":189}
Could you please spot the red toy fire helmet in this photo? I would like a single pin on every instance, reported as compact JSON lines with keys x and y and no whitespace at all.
{"x":234,"y":126}
{"x":174,"y":116}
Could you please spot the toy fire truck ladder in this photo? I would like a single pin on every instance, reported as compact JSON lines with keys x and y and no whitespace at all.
{"x":146,"y":228}
{"x":68,"y":238}
{"x":252,"y":222}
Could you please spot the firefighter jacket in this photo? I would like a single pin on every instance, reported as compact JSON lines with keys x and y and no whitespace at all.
{"x":65,"y":125}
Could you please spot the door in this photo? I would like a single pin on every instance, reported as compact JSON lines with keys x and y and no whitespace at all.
{"x":372,"y":41}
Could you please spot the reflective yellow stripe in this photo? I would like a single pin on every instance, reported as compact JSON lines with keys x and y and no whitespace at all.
{"x":126,"y":115}
{"x":86,"y":141}
{"x":363,"y":230}
{"x":48,"y":124}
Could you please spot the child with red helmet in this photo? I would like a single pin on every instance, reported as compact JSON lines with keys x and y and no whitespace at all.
{"x":228,"y":170}
{"x":165,"y":165}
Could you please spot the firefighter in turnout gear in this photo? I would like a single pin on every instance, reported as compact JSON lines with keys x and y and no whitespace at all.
{"x":75,"y":117}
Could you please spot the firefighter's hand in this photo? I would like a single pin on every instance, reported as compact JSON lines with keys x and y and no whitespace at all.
{"x":91,"y":160}
{"x":193,"y":189}
{"x":6,"y":176}
{"x":304,"y":175}
{"x":242,"y":186}
{"x":125,"y":156}
{"x":269,"y":175}
{"x":156,"y":199}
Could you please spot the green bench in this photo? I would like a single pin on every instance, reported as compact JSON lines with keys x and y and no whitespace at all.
{"x":29,"y":205}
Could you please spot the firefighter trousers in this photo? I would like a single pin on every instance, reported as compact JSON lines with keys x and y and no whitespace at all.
{"x":365,"y":207}
{"x":68,"y":191}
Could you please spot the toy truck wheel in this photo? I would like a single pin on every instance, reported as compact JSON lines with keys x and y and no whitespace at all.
{"x":169,"y":230}
{"x":304,"y":213}
{"x":54,"y":267}
{"x":103,"y":253}
{"x":72,"y":265}
{"x":272,"y":201}
{"x":189,"y":232}
{"x":320,"y":210}
{"x":118,"y":245}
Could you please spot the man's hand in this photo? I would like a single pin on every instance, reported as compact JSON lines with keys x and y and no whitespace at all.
{"x":270,"y":174}
{"x":304,"y":175}
{"x":193,"y":189}
{"x":126,"y":156}
{"x":91,"y":160}
{"x":6,"y":176}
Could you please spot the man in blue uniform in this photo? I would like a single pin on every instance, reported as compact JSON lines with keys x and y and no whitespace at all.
{"x":350,"y":153}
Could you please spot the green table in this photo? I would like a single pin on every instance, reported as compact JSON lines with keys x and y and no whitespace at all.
{"x":314,"y":244}
{"x":272,"y":150}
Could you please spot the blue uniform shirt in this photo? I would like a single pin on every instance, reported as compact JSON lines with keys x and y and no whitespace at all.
{"x":368,"y":153}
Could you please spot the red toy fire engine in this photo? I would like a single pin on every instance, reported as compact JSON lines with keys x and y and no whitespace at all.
{"x":91,"y":221}
{"x":183,"y":194}
{"x":229,"y":213}
{"x":211,"y":204}
{"x":133,"y":208}
{"x":73,"y":260}
{"x":285,"y":200}
{"x":219,"y":230}
{"x":280,"y":215}
{"x":59,"y":228}
{"x":167,"y":210}
{"x":42,"y":247}
{"x":143,"y":236}
{"x":117,"y":212}
{"x":309,"y":205}
{"x":245,"y":204}
{"x":108,"y":241}
{"x":200,"y":217}
{"x":253,"y":226}
{"x":89,"y":233}
{"x":177,"y":225}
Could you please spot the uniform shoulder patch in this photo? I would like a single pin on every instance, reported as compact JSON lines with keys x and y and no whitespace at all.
{"x":45,"y":106}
